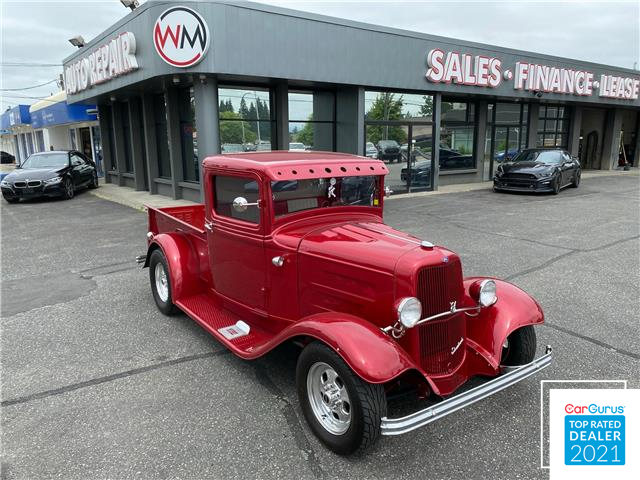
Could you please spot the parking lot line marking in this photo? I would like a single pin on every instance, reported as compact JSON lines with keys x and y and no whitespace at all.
{"x":110,"y":378}
{"x":593,"y":340}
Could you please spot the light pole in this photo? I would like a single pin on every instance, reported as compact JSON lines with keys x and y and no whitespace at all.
{"x":257,"y":114}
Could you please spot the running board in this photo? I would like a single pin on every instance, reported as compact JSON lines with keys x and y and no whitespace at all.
{"x":398,"y":426}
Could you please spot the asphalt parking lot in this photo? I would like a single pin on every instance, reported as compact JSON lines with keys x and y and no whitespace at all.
{"x":96,"y":383}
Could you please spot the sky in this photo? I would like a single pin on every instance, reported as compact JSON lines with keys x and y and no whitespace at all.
{"x":34,"y":34}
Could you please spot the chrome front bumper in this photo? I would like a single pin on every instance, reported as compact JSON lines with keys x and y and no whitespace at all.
{"x":398,"y":426}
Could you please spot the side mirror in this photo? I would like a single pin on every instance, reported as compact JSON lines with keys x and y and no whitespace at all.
{"x":240,"y":204}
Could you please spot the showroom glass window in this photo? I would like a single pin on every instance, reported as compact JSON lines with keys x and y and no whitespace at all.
{"x":40,"y":141}
{"x":246,"y":120}
{"x":506,"y":133}
{"x":162,"y":140}
{"x":553,"y":126}
{"x":399,"y":131}
{"x":311,"y":120}
{"x":457,"y":133}
{"x":188,"y":135}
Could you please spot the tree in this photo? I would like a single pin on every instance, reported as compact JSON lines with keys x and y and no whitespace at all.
{"x":426,"y":109}
{"x":386,"y":107}
{"x":231,"y":129}
{"x":305,"y":135}
{"x":243,"y":111}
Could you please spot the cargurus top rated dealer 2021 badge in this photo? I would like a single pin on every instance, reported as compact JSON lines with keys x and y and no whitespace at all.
{"x":594,"y":434}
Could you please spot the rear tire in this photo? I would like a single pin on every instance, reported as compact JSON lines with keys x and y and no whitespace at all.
{"x":344,"y":411}
{"x":160,"y":280}
{"x":94,"y":181}
{"x":520,"y":347}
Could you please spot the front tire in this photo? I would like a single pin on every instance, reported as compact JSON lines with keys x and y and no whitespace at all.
{"x":576,"y":180}
{"x":11,"y":199}
{"x":160,"y":280}
{"x":520,"y":347}
{"x":69,"y":189}
{"x":343,"y":410}
{"x":557,"y":185}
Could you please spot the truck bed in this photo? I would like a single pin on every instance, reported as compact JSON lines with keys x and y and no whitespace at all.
{"x":189,"y":219}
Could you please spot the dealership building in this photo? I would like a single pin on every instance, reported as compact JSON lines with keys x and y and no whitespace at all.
{"x":175,"y":82}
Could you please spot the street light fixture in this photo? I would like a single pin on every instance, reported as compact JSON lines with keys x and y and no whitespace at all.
{"x":77,"y":41}
{"x":132,"y":4}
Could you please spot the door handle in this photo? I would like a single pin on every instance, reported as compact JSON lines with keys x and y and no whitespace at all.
{"x":208,"y":226}
{"x":278,"y":261}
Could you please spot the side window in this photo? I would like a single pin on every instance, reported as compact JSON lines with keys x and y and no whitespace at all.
{"x":227,"y":189}
{"x":76,"y":160}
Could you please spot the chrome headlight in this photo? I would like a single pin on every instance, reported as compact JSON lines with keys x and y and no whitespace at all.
{"x":487,"y":293}
{"x":52,"y":180}
{"x":409,"y":311}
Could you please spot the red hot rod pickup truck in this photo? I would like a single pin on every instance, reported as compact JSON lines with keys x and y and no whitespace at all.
{"x":292,"y":246}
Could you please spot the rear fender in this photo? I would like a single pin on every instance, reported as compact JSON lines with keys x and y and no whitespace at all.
{"x":371,"y":354}
{"x":514,"y":309}
{"x":182,"y":259}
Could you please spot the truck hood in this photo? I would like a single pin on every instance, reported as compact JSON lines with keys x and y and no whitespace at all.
{"x":372,"y":245}
{"x":354,"y":267}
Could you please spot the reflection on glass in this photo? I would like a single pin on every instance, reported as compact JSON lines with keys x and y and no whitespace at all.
{"x":245,"y":119}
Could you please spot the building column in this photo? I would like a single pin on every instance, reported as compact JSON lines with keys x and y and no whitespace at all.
{"x":118,"y":140}
{"x":574,"y":131}
{"x":173,"y":134}
{"x":150,"y":142}
{"x":205,"y":92}
{"x":532,"y":125}
{"x":611,"y":141}
{"x":105,"y":122}
{"x":482,"y":111}
{"x":281,"y":94}
{"x":349,"y":126}
{"x":136,"y":143}
{"x":636,"y":150}
{"x":435,"y":146}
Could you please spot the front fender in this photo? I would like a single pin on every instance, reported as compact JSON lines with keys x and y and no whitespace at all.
{"x":182,"y":259}
{"x":371,"y":354}
{"x":514,"y":309}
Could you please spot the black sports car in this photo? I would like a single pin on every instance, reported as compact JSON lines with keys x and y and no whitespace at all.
{"x":538,"y":170}
{"x":50,"y":174}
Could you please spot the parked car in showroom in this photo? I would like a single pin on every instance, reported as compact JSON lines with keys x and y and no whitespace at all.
{"x":370,"y":150}
{"x":506,"y":156}
{"x":538,"y":170}
{"x":389,"y":150}
{"x":292,"y":246}
{"x":50,"y":174}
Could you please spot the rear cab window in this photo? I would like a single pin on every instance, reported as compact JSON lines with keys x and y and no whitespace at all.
{"x":227,"y":189}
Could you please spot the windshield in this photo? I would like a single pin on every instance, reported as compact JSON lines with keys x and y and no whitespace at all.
{"x":542,"y":156}
{"x":299,"y":146}
{"x":291,"y":196}
{"x":232,"y":147}
{"x":47,"y":160}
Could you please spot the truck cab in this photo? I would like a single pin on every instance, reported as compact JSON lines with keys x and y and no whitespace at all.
{"x":291,"y":246}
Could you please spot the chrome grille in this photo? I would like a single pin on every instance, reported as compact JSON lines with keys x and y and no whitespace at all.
{"x":20,"y":184}
{"x":437,"y":340}
{"x":34,"y":183}
{"x":437,"y":287}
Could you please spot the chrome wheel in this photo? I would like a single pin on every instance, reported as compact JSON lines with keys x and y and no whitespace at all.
{"x":328,"y":398}
{"x":162,"y":285}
